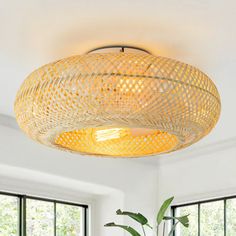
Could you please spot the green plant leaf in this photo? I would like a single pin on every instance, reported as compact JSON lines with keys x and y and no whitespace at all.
{"x":136,"y":216}
{"x":163,"y":209}
{"x":173,"y":229}
{"x":184,"y":220}
{"x":129,"y":229}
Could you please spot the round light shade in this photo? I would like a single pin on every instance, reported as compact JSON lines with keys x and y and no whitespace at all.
{"x":117,"y":104}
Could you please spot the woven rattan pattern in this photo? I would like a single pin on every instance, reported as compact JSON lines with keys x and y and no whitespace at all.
{"x":117,"y":141}
{"x":124,"y":90}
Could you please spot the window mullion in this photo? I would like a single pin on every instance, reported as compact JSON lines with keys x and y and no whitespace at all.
{"x":199,"y":219}
{"x":224,"y":217}
{"x":20,"y":216}
{"x":173,"y":221}
{"x":55,"y":218}
{"x":85,"y":222}
{"x":23,"y":215}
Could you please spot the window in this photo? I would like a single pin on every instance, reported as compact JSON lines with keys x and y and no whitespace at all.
{"x":208,"y":218}
{"x":30,"y":216}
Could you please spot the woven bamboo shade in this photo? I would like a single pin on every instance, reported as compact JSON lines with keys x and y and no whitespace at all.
{"x":117,"y":104}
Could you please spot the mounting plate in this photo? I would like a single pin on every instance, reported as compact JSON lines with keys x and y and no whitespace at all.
{"x":118,"y":48}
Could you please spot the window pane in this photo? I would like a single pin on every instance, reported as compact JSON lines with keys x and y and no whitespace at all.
{"x":68,"y":220}
{"x":212,"y":218}
{"x":231,"y":217}
{"x":192,"y":230}
{"x":39,"y":218}
{"x":8,"y":215}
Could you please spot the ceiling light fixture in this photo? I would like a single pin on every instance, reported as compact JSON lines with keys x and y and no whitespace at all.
{"x":117,"y":101}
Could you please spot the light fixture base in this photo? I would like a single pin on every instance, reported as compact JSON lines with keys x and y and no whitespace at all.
{"x":118,"y":48}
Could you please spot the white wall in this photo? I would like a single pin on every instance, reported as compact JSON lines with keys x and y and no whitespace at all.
{"x":206,"y":174}
{"x":105,"y":184}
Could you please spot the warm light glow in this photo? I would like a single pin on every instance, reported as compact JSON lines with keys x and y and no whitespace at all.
{"x":117,"y":104}
{"x":117,"y":141}
{"x":108,"y":134}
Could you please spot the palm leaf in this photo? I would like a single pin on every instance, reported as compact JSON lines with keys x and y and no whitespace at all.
{"x":184,"y":220}
{"x":129,"y":229}
{"x":136,"y":216}
{"x":163,"y":209}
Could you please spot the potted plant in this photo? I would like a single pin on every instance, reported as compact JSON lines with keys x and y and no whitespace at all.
{"x":161,"y":218}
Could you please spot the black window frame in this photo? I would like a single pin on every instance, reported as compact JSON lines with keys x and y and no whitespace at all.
{"x":198,"y":203}
{"x":22,"y":210}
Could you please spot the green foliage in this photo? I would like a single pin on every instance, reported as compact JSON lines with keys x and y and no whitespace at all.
{"x":231,"y":217}
{"x":39,"y":218}
{"x":173,"y":229}
{"x":68,"y":220}
{"x":192,"y":230}
{"x":162,"y":211}
{"x":136,"y":216}
{"x":129,"y":229}
{"x":142,"y":220}
{"x":182,"y":219}
{"x":212,"y":218}
{"x":8,"y":212}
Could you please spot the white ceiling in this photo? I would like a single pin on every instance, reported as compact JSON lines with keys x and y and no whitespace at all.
{"x":199,"y":32}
